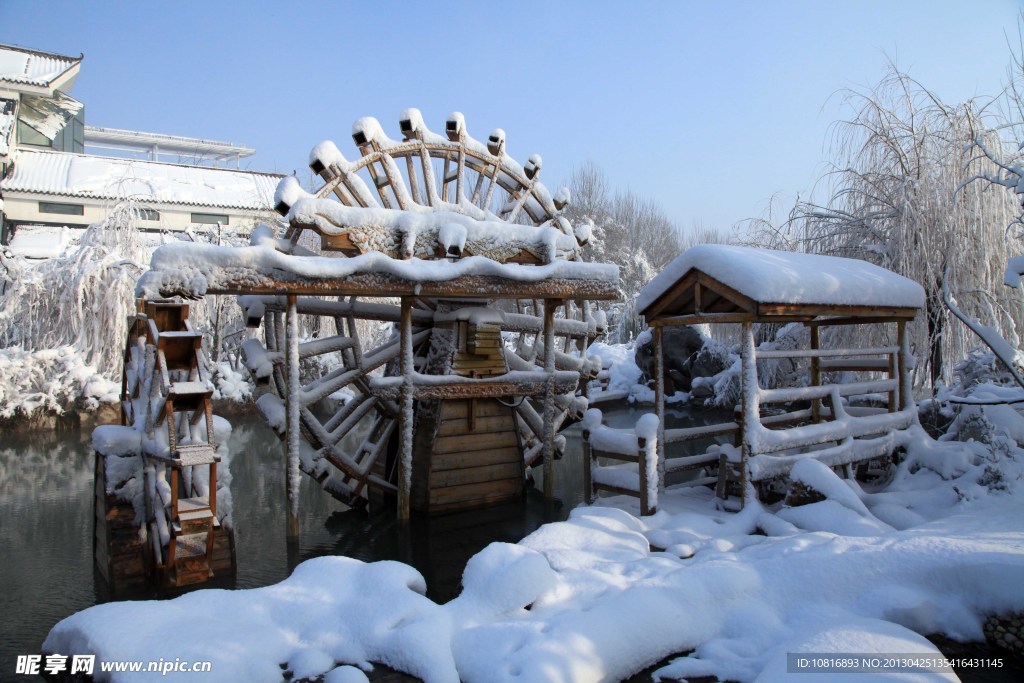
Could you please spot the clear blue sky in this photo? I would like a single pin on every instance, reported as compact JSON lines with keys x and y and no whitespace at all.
{"x":708,"y":108}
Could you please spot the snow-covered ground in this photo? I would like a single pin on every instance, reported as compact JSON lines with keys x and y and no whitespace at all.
{"x":935,"y":548}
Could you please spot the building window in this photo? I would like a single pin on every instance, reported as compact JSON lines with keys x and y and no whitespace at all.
{"x":149,"y":214}
{"x":210,"y":218}
{"x":65,"y":209}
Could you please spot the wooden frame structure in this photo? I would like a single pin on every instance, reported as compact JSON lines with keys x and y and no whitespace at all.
{"x":165,"y":395}
{"x":466,"y":253}
{"x":715,"y":285}
{"x":765,"y":448}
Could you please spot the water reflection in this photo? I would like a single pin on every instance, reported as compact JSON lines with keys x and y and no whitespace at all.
{"x":437,"y":546}
{"x":45,"y":535}
{"x":46,"y":508}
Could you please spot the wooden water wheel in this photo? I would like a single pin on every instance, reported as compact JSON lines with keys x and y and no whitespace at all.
{"x":444,"y":200}
{"x":444,"y":307}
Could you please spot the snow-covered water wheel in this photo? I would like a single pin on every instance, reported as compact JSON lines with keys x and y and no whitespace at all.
{"x":437,"y":201}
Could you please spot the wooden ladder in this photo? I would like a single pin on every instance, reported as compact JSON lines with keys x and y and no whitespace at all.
{"x":180,"y":369}
{"x":193,"y":519}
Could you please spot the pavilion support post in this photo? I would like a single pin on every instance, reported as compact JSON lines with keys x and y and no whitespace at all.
{"x":549,"y":398}
{"x":641,"y":458}
{"x":815,"y":373}
{"x":896,"y":373}
{"x":659,"y":401}
{"x":405,"y":418}
{"x":906,"y":393}
{"x":588,"y":469}
{"x":292,"y":473}
{"x":750,"y":410}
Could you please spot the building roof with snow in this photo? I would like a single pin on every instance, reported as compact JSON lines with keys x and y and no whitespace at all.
{"x":35,"y":71}
{"x":724,"y":279}
{"x":85,"y":176}
{"x":48,"y":182}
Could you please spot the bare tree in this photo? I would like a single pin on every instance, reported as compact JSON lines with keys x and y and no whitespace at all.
{"x":629,"y":230}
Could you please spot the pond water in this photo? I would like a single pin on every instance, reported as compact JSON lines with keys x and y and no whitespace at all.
{"x":46,"y":528}
{"x":46,"y":490}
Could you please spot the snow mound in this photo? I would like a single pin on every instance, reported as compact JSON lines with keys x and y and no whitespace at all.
{"x":331,"y":609}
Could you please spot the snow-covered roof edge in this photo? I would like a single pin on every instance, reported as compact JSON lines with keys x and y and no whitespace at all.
{"x":782,"y":277}
{"x":26,"y":66}
{"x":88,"y":176}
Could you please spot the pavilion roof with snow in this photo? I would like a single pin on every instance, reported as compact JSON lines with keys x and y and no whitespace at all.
{"x":724,"y":283}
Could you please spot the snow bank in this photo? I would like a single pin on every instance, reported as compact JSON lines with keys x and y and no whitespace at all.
{"x":595,"y":598}
{"x":856,"y":635}
{"x":331,"y":609}
{"x":52,"y":379}
{"x":589,"y":600}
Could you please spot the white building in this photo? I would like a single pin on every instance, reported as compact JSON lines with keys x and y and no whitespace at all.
{"x":51,"y":189}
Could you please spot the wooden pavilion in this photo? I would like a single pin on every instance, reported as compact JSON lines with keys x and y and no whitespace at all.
{"x":719,"y":284}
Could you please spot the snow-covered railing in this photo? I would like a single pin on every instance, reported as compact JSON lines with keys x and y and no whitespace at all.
{"x":637,"y":448}
{"x":847,"y":451}
{"x":829,"y":430}
{"x":881,"y":360}
{"x":791,"y":394}
{"x":826,"y":353}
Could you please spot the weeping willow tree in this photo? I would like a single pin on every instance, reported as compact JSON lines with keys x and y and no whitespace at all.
{"x":80,"y":300}
{"x":900,"y":196}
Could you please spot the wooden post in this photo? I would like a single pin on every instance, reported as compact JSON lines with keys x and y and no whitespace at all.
{"x":405,"y":416}
{"x":291,"y":352}
{"x":212,"y":496}
{"x":641,"y":461}
{"x":659,"y":400}
{"x":588,"y":468}
{"x":815,"y":374}
{"x":894,"y":373}
{"x":175,"y":483}
{"x":750,"y":410}
{"x":549,"y":398}
{"x":906,"y":393}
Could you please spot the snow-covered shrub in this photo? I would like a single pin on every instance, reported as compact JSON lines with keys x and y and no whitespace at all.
{"x":50,"y":379}
{"x":980,"y":366}
{"x":772,"y":373}
{"x":785,"y":372}
{"x":230,"y":383}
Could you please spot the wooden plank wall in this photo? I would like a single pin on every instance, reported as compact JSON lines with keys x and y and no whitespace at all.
{"x":120,"y":556}
{"x":476,"y":459}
